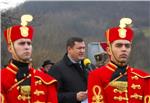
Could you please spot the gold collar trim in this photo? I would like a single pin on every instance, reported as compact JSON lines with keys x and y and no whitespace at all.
{"x":47,"y":83}
{"x":148,"y":76}
{"x":11,"y":67}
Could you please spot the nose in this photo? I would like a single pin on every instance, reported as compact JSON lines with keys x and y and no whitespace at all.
{"x":124,"y":48}
{"x":82,"y":50}
{"x":27,"y":45}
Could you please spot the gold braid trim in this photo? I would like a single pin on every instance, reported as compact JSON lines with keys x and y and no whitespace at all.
{"x":47,"y":83}
{"x":98,"y":97}
{"x":107,"y":37}
{"x":112,"y":64}
{"x":13,"y":86}
{"x":14,"y":66}
{"x":10,"y":42}
{"x":41,"y":102}
{"x":147,"y":99}
{"x":38,"y":102}
{"x":2,"y":98}
{"x":110,"y":68}
{"x":9,"y":35}
{"x":109,"y":84}
{"x":11,"y":70}
{"x":108,"y":42}
{"x":141,"y":76}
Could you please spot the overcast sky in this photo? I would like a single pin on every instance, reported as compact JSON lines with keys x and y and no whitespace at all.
{"x":8,"y":4}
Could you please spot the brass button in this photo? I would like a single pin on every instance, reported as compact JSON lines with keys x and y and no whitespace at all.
{"x":135,"y":77}
{"x":38,"y":82}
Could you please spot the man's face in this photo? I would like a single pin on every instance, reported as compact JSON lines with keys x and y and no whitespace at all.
{"x":47,"y":67}
{"x":23,"y":48}
{"x":120,"y":50}
{"x":77,"y":52}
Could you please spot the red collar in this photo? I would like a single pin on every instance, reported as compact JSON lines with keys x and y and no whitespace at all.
{"x":111,"y":66}
{"x":13,"y":68}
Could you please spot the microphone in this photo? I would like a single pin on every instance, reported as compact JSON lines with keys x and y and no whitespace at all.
{"x":87,"y":64}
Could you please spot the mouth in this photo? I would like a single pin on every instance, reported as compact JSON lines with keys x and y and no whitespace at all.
{"x":27,"y":53}
{"x":123,"y":56}
{"x":81,"y":54}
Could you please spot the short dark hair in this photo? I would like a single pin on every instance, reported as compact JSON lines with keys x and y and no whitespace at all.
{"x":71,"y":41}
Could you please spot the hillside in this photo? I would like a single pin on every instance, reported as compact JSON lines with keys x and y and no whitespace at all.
{"x":55,"y":22}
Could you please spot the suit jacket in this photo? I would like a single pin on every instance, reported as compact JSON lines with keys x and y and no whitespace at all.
{"x":134,"y":90}
{"x":42,"y":88}
{"x":71,"y":79}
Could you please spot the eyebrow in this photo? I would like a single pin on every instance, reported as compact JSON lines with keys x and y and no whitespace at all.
{"x":123,"y":43}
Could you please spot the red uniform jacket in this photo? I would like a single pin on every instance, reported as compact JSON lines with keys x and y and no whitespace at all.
{"x":42,"y":88}
{"x":135,"y":90}
{"x":147,"y":91}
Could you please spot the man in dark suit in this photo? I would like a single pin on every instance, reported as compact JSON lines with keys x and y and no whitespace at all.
{"x":71,"y":73}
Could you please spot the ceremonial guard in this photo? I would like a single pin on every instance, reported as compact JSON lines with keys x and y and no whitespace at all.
{"x":20,"y":83}
{"x":117,"y":82}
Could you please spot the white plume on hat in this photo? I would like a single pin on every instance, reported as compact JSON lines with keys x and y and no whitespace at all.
{"x":124,"y":22}
{"x":25,"y":19}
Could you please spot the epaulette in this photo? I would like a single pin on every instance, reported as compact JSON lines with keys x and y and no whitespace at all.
{"x":45,"y":78}
{"x":140,"y":73}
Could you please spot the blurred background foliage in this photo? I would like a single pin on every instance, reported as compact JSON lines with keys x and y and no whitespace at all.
{"x":56,"y":21}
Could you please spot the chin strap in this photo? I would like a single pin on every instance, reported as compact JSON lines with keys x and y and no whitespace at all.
{"x":117,"y":61}
{"x":17,"y":57}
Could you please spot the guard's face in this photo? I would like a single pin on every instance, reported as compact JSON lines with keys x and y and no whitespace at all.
{"x":23,"y":48}
{"x":77,"y":52}
{"x":120,"y":50}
